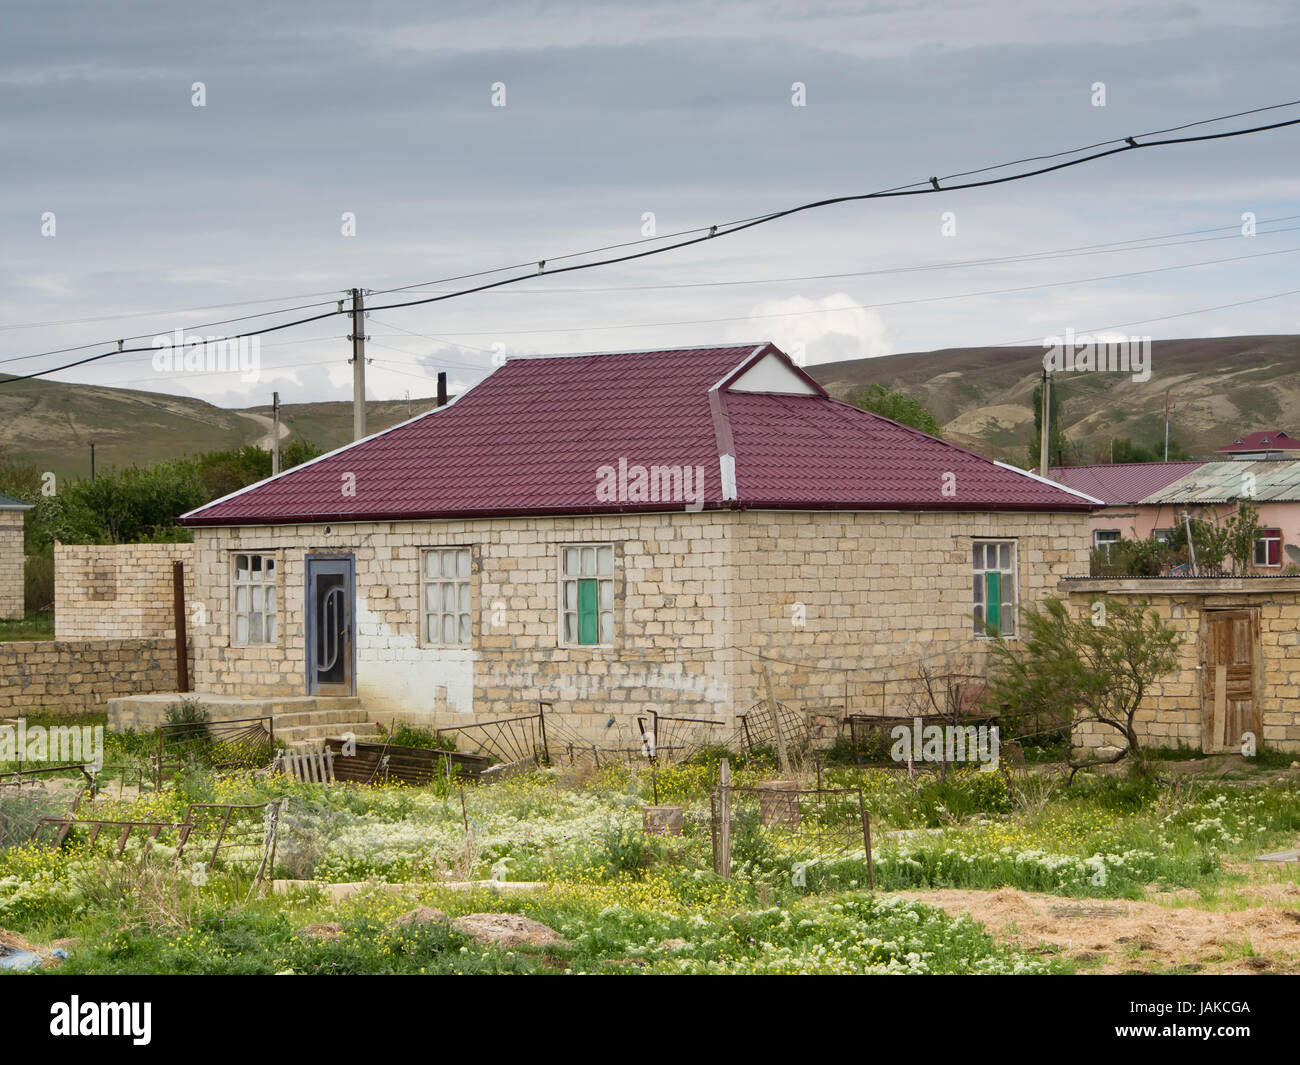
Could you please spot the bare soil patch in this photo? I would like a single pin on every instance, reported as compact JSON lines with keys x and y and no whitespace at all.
{"x":1122,"y":936}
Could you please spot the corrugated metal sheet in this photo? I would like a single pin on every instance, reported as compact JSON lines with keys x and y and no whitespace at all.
{"x":1275,"y":481}
{"x":1118,"y":483}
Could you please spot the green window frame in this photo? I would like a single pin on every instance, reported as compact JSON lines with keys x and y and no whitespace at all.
{"x":587,"y":595}
{"x":994,"y":587}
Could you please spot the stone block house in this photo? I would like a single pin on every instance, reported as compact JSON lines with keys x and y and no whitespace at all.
{"x":619,"y":533}
{"x":11,"y":556}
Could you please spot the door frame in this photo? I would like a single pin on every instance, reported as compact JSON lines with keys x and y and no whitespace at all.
{"x":1208,"y":675}
{"x":309,"y":622}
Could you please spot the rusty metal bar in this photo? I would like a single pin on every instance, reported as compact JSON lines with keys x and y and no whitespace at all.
{"x":178,"y":615}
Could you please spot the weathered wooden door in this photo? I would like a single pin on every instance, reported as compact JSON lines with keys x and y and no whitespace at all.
{"x":330,"y":646}
{"x":1229,"y":699}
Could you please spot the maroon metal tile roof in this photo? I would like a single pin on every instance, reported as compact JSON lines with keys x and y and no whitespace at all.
{"x":1124,"y":482}
{"x":1263,"y":440}
{"x":531,"y":437}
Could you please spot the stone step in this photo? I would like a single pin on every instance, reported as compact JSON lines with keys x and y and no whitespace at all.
{"x":317,"y":717}
{"x":363,"y":730}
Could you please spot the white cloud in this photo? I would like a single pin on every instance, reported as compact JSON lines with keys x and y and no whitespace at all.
{"x":828,"y":329}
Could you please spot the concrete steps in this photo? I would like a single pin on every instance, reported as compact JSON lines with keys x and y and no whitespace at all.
{"x":294,"y":726}
{"x":296,"y":718}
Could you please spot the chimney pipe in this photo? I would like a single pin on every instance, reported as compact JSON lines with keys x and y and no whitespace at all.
{"x":442,"y":388}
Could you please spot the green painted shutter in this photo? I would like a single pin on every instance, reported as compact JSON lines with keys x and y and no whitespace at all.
{"x":588,"y":613}
{"x":993,"y":601}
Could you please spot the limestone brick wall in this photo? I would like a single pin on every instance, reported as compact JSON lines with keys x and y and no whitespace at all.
{"x":697,"y":597}
{"x":79,"y":676}
{"x":11,"y":563}
{"x":117,"y":591}
{"x":861,"y":601}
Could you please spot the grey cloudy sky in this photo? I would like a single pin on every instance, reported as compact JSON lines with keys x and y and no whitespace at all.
{"x":681,"y":109}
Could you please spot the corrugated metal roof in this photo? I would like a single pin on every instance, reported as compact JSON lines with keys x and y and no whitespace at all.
{"x":1125,"y":482}
{"x":532,"y":436}
{"x":1275,"y":481}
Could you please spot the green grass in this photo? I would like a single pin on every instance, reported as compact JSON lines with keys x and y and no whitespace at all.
{"x":34,"y":626}
{"x":628,"y":902}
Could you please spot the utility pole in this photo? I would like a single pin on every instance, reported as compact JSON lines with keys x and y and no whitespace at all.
{"x":358,"y":339}
{"x":92,"y":463}
{"x":275,"y":433}
{"x":1043,"y":435}
{"x":1166,"y":425}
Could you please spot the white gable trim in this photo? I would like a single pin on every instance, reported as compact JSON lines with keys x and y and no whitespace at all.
{"x":1048,"y":480}
{"x":771,"y":374}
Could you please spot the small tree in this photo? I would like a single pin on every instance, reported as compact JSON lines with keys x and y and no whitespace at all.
{"x":1243,"y":531}
{"x":1092,"y":669}
{"x":898,"y":407}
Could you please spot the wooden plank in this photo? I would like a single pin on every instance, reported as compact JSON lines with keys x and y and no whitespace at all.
{"x":1221,"y":706}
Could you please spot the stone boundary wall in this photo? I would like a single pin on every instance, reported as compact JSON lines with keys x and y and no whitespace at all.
{"x":80,"y":676}
{"x":1171,"y":713}
{"x":117,"y":591}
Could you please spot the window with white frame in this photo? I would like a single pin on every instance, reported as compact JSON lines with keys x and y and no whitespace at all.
{"x":1268,"y":547}
{"x":587,"y":594}
{"x":1104,"y":539}
{"x":253,"y":593}
{"x":446,"y":582}
{"x":994,"y":583}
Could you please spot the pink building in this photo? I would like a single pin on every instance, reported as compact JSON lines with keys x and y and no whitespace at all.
{"x":1146,"y":499}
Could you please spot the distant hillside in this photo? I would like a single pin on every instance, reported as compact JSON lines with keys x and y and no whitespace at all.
{"x":53,"y":425}
{"x":982,"y":397}
{"x":1220,"y":388}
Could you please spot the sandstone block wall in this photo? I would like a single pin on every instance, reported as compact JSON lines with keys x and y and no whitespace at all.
{"x":117,"y":591}
{"x":1171,"y":713}
{"x":698,"y":597}
{"x":11,"y":564}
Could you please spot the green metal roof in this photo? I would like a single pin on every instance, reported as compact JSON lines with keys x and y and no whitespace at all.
{"x":9,"y":503}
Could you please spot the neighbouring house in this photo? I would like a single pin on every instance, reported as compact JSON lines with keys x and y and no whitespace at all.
{"x":11,"y":556}
{"x":1212,"y":491}
{"x":618,"y":533}
{"x":1122,"y":487}
{"x":1262,"y":445}
{"x":1238,"y":667}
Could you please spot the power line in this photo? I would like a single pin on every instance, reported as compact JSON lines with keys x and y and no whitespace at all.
{"x":1027,"y":257}
{"x":934,"y":185}
{"x":890,"y":303}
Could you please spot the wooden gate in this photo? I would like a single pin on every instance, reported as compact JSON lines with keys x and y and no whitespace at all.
{"x":1229,"y":682}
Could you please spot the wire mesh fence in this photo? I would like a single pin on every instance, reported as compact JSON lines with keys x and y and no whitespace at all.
{"x":784,"y":821}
